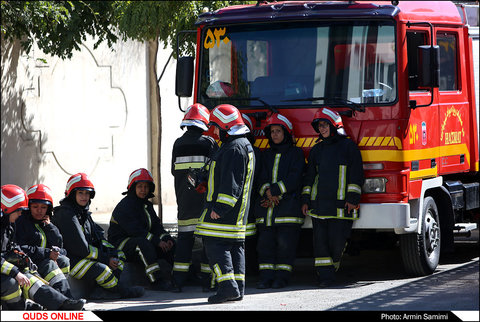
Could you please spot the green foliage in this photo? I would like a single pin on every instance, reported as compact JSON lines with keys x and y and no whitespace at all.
{"x":148,"y":20}
{"x":59,"y":27}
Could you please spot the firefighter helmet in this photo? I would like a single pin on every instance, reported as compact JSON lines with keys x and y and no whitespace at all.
{"x":140,"y":175}
{"x":196,"y":115}
{"x":13,"y":198}
{"x":227,"y":118}
{"x":40,"y":193}
{"x":330,"y":116}
{"x":79,"y":181}
{"x":248,"y":122}
{"x":278,"y":119}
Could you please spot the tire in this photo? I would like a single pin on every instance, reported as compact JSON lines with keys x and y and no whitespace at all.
{"x":421,"y":252}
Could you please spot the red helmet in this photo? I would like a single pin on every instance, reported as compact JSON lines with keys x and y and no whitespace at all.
{"x":80,"y":181}
{"x":226,"y":116}
{"x":278,"y":119}
{"x":141,"y":175}
{"x":13,"y":198}
{"x":326,"y":114}
{"x":196,"y":115}
{"x":40,"y":193}
{"x":248,"y":122}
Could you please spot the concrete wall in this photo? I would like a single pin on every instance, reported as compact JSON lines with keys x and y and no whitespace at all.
{"x":87,"y":114}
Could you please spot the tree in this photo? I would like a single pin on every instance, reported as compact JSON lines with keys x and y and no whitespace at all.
{"x":155,"y":22}
{"x":58,"y":27}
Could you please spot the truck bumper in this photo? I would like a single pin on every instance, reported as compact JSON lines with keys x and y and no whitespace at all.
{"x":380,"y":216}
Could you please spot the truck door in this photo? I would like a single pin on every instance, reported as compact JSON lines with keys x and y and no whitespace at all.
{"x":453,"y":103}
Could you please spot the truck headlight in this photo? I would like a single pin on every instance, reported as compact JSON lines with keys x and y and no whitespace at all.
{"x":374,"y":185}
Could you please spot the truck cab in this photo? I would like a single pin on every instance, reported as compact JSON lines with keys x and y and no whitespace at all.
{"x":401,"y":75}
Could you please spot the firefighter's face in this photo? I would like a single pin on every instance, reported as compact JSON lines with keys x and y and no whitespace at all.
{"x":38,"y":210}
{"x":324,"y":129}
{"x":142,"y":189}
{"x":276,"y":132}
{"x":82,"y":197}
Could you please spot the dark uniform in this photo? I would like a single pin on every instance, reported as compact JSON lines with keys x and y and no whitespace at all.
{"x":279,"y":226}
{"x":13,"y":296}
{"x":136,"y":230}
{"x":334,"y":176}
{"x":192,"y":150}
{"x":229,"y":187}
{"x":36,"y":238}
{"x":87,"y":248}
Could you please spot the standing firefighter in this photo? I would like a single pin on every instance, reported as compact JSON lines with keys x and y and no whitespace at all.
{"x":190,"y":156}
{"x":331,"y":192}
{"x":224,"y":218}
{"x":136,"y":230}
{"x":19,"y":278}
{"x":279,"y":215}
{"x":93,"y":260}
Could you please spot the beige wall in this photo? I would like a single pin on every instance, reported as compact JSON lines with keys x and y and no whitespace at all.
{"x":87,"y":114}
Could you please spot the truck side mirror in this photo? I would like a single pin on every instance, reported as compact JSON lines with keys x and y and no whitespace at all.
{"x":184,"y":77}
{"x":428,"y":66}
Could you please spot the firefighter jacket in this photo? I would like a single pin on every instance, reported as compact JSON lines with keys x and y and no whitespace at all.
{"x":190,"y":151}
{"x":135,"y":217}
{"x":334,"y":176}
{"x":7,"y":235}
{"x":36,"y":238}
{"x":82,"y":237}
{"x":281,"y":172}
{"x":228,"y":193}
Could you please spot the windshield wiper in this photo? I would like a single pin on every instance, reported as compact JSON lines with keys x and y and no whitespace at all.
{"x":355,"y":107}
{"x":265,"y":104}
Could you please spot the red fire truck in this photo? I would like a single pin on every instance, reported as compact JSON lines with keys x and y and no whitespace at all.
{"x":401,"y":74}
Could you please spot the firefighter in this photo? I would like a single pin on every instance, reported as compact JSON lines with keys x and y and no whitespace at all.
{"x":93,"y":260}
{"x":251,"y":236}
{"x":190,"y":156}
{"x":331,"y":192}
{"x":223,"y":221}
{"x":19,"y":279}
{"x":42,"y":241}
{"x":136,"y":230}
{"x":278,"y":212}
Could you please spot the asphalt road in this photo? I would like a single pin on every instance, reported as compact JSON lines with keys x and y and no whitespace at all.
{"x":370,"y":281}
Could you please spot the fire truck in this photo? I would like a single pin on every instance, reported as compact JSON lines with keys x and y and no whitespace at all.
{"x":401,"y":75}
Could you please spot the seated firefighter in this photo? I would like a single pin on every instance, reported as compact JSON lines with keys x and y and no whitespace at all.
{"x":19,"y":277}
{"x":42,"y":241}
{"x":136,"y":230}
{"x":93,"y":260}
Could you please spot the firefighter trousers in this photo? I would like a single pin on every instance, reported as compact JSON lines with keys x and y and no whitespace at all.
{"x":13,"y":296}
{"x":227,"y":261}
{"x":277,"y":249}
{"x":329,"y":241}
{"x":92,"y":272}
{"x":183,"y":260}
{"x":54,"y":272}
{"x":142,"y":250}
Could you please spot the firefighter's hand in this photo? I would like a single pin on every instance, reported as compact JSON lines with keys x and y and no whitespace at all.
{"x":113,"y":263}
{"x":54,"y":254}
{"x":350,"y":207}
{"x":214,"y":215}
{"x":165,"y":245}
{"x":22,"y":280}
{"x":304,"y":209}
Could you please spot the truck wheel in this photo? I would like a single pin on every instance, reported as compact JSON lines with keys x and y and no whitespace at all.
{"x":421,"y":252}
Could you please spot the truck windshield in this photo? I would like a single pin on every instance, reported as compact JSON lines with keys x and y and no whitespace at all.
{"x":292,"y":64}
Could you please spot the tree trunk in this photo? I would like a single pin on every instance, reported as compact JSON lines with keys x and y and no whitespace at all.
{"x":155,"y":124}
